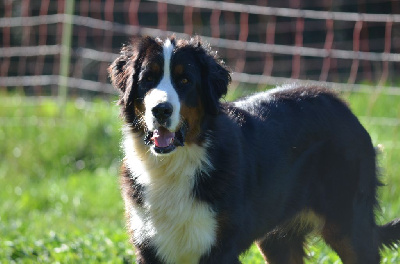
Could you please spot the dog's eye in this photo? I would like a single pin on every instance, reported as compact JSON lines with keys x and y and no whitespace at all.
{"x":184,"y":81}
{"x":149,"y":78}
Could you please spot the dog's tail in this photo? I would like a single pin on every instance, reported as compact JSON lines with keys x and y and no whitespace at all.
{"x":389,"y":234}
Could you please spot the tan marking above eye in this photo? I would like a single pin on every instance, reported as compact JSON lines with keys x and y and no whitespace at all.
{"x":178,"y":70}
{"x":155,"y":67}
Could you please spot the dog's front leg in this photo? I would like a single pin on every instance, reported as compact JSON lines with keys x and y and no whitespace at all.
{"x":146,"y":255}
{"x":224,"y":253}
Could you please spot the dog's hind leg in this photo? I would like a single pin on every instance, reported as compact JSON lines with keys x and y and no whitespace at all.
{"x":350,"y":227}
{"x":283,"y":249}
{"x":348,"y":249}
{"x":355,"y":244}
{"x":349,"y":184}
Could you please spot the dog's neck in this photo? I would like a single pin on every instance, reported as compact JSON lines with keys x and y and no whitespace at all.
{"x":185,"y":162}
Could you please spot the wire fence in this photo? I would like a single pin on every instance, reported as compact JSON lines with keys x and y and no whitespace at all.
{"x":331,"y":43}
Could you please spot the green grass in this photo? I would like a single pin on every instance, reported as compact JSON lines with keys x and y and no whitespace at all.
{"x":59,"y":198}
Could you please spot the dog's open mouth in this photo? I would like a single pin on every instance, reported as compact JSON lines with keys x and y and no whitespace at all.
{"x":164,"y":141}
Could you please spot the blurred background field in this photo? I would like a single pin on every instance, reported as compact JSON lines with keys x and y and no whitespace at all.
{"x":59,"y":148}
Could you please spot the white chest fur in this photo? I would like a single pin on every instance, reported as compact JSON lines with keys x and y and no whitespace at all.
{"x":180,"y":227}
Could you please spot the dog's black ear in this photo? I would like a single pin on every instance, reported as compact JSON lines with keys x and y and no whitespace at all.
{"x":124,"y":70}
{"x":215,"y":76}
{"x":121,"y":71}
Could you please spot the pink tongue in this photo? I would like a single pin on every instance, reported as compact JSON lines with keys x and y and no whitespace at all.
{"x":163,"y":138}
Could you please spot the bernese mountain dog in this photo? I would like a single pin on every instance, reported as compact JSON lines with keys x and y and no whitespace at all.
{"x":204,"y":179}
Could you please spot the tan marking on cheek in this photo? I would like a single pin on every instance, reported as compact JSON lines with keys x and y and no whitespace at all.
{"x":139,"y":109}
{"x":194,"y":117}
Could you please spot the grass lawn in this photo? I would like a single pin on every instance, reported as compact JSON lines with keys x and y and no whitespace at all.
{"x":59,"y":198}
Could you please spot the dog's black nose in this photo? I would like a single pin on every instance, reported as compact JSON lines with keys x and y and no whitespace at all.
{"x":162,"y":112}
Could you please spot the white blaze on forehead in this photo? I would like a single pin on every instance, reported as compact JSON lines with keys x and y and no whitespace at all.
{"x":164,"y":92}
{"x":167,"y":52}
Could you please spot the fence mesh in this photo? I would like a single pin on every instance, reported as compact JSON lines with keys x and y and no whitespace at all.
{"x":334,"y":43}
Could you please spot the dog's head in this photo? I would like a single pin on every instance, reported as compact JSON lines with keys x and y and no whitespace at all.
{"x":168,"y":88}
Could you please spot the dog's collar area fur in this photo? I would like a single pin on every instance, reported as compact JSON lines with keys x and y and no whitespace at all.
{"x":178,"y":140}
